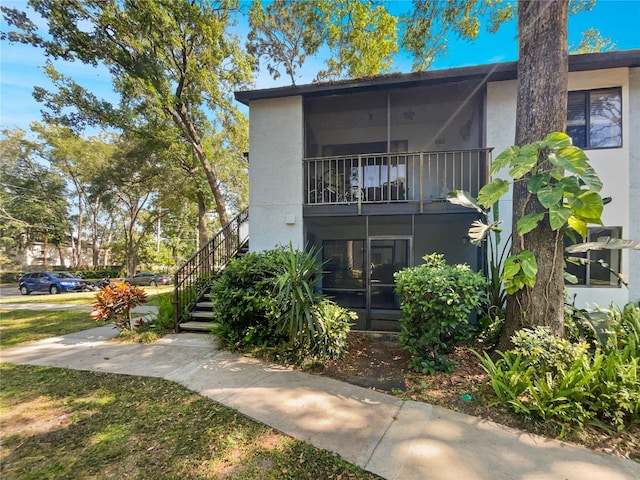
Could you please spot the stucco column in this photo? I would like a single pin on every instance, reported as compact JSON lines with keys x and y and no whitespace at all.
{"x":276,"y":149}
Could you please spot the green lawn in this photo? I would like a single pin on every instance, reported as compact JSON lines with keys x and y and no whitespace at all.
{"x":78,"y":425}
{"x":82,"y":298}
{"x":18,"y":327}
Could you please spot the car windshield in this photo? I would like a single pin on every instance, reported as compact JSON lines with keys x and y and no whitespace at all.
{"x":61,"y":275}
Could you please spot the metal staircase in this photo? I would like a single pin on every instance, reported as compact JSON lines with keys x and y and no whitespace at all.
{"x":192,"y":306}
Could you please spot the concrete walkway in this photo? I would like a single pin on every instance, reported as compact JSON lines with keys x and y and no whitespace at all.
{"x":392,"y":438}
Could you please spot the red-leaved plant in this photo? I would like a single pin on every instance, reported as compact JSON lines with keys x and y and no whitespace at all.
{"x":115,"y":302}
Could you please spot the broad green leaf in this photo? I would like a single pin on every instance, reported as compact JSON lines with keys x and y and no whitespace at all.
{"x":557,"y":140}
{"x":491,"y":192}
{"x":570,"y":185}
{"x":588,"y":205}
{"x":550,"y":195}
{"x":528,"y":263}
{"x":570,"y":233}
{"x":572,"y":159}
{"x":530,"y":281}
{"x":536,"y":182}
{"x":529,"y":222}
{"x":578,"y":225}
{"x":504,"y":159}
{"x":511,"y":268}
{"x":522,"y":165}
{"x":591,"y":179}
{"x":569,"y":278}
{"x":558,"y":216}
{"x":464,"y":199}
{"x":529,"y":150}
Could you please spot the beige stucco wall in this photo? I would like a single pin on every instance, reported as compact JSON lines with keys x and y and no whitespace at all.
{"x":613,"y":165}
{"x":634,"y":182}
{"x":276,"y":141}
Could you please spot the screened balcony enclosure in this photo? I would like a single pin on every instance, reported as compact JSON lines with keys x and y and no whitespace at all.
{"x":406,"y":145}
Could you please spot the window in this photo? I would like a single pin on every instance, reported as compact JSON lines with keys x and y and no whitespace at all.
{"x":594,"y":272}
{"x":594,"y":118}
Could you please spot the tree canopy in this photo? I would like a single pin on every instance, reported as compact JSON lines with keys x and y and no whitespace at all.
{"x":364,"y":38}
{"x":33,"y":203}
{"x":175,"y":60}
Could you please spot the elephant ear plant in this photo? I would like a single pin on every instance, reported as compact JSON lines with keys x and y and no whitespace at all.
{"x":568,"y":192}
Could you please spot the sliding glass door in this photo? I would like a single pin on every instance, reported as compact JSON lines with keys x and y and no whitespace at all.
{"x":386,"y":255}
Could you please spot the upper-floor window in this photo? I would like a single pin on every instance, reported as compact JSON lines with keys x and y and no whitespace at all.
{"x":594,"y":118}
{"x":598,"y":266}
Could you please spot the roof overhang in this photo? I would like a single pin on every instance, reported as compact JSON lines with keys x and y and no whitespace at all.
{"x":487,"y":73}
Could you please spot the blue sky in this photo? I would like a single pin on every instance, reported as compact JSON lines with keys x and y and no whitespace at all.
{"x":20,"y":65}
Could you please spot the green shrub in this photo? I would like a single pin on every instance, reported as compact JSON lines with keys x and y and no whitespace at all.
{"x":243,"y":299}
{"x":436,"y":300}
{"x":608,"y":330}
{"x":551,"y":379}
{"x":100,"y":272}
{"x":332,"y":344}
{"x":165,"y":320}
{"x":546,"y":352}
{"x":626,"y":330}
{"x":9,"y":277}
{"x":267,"y":300}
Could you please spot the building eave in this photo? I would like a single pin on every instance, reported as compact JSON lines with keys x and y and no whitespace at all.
{"x":487,"y":73}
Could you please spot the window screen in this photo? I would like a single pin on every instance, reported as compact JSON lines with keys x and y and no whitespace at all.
{"x":594,"y":118}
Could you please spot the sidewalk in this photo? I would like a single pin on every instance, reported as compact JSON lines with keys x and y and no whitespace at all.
{"x":392,"y":438}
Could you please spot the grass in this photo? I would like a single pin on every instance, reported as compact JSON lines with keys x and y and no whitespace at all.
{"x":18,"y":327}
{"x":77,"y":425}
{"x":80,"y":298}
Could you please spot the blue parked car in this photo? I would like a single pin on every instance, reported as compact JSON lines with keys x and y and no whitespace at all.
{"x":52,"y":282}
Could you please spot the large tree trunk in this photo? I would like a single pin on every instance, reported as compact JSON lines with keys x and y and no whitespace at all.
{"x":202,"y":219}
{"x":541,"y":109}
{"x":77,"y":261}
{"x":182,"y":118}
{"x":107,"y":250}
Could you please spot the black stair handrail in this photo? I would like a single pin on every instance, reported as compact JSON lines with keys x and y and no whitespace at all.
{"x":194,"y":277}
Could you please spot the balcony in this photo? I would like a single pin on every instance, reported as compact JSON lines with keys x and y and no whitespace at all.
{"x":417,"y":177}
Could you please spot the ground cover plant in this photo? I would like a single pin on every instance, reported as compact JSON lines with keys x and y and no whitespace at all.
{"x":376,"y":361}
{"x":571,"y":382}
{"x":18,"y":327}
{"x":76,"y":424}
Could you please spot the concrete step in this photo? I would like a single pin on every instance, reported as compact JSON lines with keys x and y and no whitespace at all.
{"x":203,"y":315}
{"x":196,"y":326}
{"x":204,"y":305}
